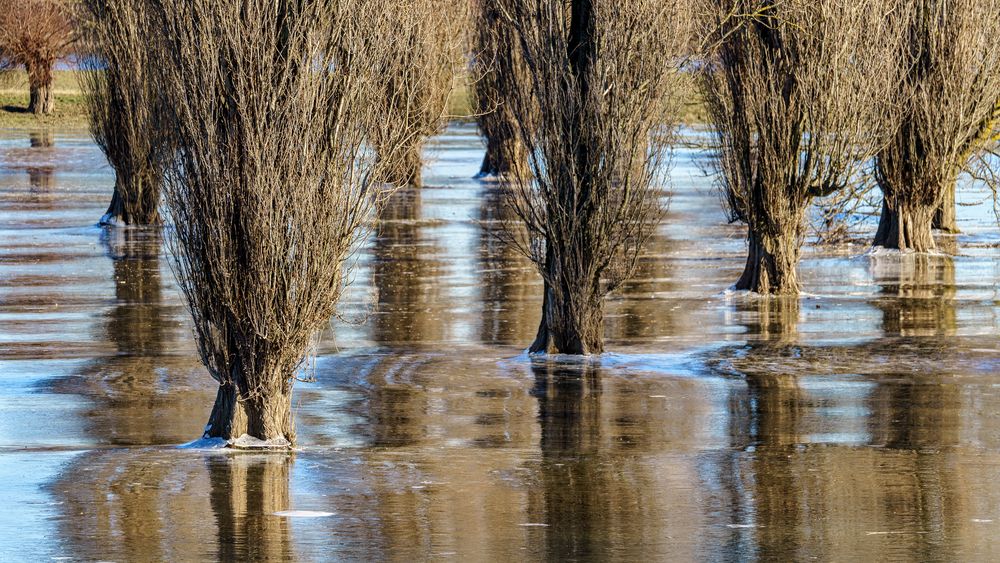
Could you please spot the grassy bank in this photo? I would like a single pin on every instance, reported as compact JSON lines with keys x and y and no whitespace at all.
{"x":71,"y":109}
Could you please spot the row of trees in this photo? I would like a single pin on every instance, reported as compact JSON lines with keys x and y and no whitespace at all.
{"x":276,"y":128}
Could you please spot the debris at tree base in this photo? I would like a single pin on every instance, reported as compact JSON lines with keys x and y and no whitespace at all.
{"x":247,"y":442}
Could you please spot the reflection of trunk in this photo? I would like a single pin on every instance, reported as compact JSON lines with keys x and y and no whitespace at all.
{"x":133,"y":203}
{"x":771,"y":264}
{"x":572,"y":321}
{"x":265,"y":416}
{"x":905,"y":227}
{"x":41,"y":139}
{"x":574,"y":487}
{"x":917,"y":294}
{"x":945,"y":217}
{"x":246,"y":492}
{"x":40,"y":179}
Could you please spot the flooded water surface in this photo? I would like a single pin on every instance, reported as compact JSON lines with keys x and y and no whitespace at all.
{"x":860,"y":422}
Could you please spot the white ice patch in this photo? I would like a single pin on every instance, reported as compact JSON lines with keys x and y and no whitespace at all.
{"x":205,"y":444}
{"x":248,"y":442}
{"x":303,"y":514}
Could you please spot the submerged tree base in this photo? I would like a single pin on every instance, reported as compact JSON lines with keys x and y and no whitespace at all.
{"x":905,"y":228}
{"x":771,"y":265}
{"x":499,"y":162}
{"x":256,"y":422}
{"x":569,"y":328}
{"x":121,"y":214}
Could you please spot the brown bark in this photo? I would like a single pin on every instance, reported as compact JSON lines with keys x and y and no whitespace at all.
{"x":945,"y":216}
{"x":404,"y":167}
{"x":137,"y":204}
{"x":236,"y":413}
{"x":500,"y":159}
{"x":771,"y":266}
{"x":42,"y":99}
{"x":905,"y":227}
{"x":571,"y":325}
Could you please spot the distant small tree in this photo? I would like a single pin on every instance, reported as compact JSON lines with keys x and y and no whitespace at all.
{"x":35,"y":34}
{"x":496,"y":57}
{"x":425,"y":41}
{"x":797,"y":91}
{"x":269,"y":108}
{"x":117,"y":79}
{"x":601,"y":77}
{"x":950,"y":100}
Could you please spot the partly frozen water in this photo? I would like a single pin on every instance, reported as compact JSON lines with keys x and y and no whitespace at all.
{"x":861,"y":422}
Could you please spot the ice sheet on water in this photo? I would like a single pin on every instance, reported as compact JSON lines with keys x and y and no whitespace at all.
{"x":303,"y":514}
{"x":247,"y":442}
{"x":205,"y":443}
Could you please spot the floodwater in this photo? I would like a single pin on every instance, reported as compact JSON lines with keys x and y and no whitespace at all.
{"x":861,"y":422}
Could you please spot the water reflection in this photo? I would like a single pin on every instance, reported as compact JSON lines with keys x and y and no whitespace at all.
{"x":862,"y":419}
{"x":141,"y":505}
{"x":40,"y":182}
{"x":170,"y":505}
{"x":405,"y":273}
{"x":580,"y":501}
{"x":246,"y":491}
{"x":917,"y":293}
{"x":43,"y":139}
{"x":509,"y":283}
{"x":138,"y":376}
{"x":652,"y":310}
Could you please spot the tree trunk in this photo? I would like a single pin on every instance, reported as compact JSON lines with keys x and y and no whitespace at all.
{"x":268,"y":419}
{"x":405,"y":167}
{"x":945,"y":216}
{"x":772,"y":264}
{"x":135,"y":205}
{"x":42,"y":99}
{"x":499,"y":160}
{"x":903,"y":227}
{"x":572,"y":323}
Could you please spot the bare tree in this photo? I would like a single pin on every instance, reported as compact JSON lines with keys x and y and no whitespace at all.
{"x":426,"y":41}
{"x":269,"y":106}
{"x":796,"y":90}
{"x":951,"y":106}
{"x":600,"y":77}
{"x":117,"y":80}
{"x":35,"y":34}
{"x":496,"y":58}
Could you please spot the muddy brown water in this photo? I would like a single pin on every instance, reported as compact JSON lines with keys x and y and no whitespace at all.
{"x":861,"y":422}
